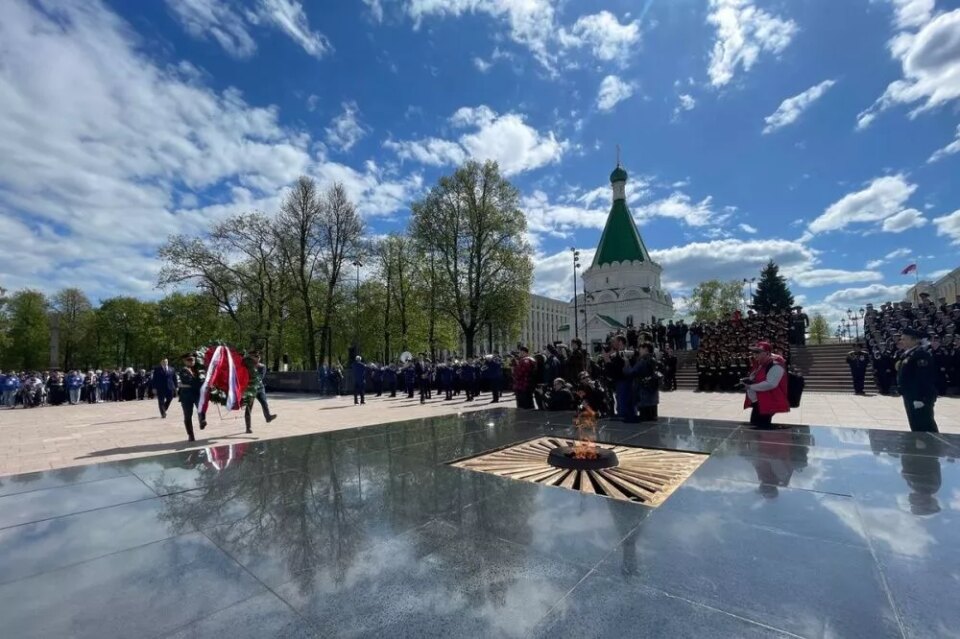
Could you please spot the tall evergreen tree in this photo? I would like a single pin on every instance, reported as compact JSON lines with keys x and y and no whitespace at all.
{"x":772,"y":292}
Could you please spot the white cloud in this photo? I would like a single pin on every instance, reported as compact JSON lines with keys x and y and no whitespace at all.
{"x":98,"y":144}
{"x":606,"y":37}
{"x":559,"y":218}
{"x":875,"y":293}
{"x":430,"y":151}
{"x":230,"y":27}
{"x":346,"y":130}
{"x":912,"y":13}
{"x":930,"y":60}
{"x":553,"y":274}
{"x":679,"y":206}
{"x":746,"y":228}
{"x":216,"y":19}
{"x":872,"y":264}
{"x":376,"y":9}
{"x":950,"y":149}
{"x":906,"y":219}
{"x":482,"y":65}
{"x":729,"y":259}
{"x":825,"y":276}
{"x":743,"y":33}
{"x":534,"y":24}
{"x":900,"y":252}
{"x":949,"y":225}
{"x":884,"y":197}
{"x":791,"y":108}
{"x":507,"y":139}
{"x":289,"y":17}
{"x":686,"y":103}
{"x":613,"y":90}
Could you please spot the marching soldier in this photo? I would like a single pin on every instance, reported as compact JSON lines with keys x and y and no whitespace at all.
{"x":189,"y":393}
{"x":492,"y":371}
{"x":359,"y":371}
{"x":941,"y":360}
{"x":409,"y":379}
{"x":917,"y":380}
{"x":390,"y":379}
{"x":857,"y":361}
{"x":467,"y":376}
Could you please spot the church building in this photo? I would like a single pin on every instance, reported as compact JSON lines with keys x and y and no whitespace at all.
{"x":622,"y":286}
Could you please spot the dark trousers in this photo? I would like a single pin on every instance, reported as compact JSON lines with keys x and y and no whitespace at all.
{"x":410,"y":387}
{"x":262,"y":399}
{"x":758,"y":420}
{"x":921,"y":419}
{"x":524,"y":398}
{"x":163,"y":402}
{"x":625,"y":407}
{"x":495,"y":391}
{"x":858,"y":379}
{"x":188,"y":418}
{"x":424,"y":390}
{"x":359,"y":395}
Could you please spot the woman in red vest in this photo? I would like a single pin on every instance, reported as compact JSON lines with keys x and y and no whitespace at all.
{"x":766,"y":386}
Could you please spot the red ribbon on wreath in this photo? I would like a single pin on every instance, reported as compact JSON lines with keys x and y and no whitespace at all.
{"x":226,"y":374}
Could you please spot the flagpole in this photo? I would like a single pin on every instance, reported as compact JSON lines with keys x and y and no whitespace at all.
{"x":916,"y":286}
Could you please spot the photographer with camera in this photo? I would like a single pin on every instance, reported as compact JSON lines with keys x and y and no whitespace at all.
{"x":766,"y":386}
{"x":559,"y":396}
{"x":618,"y":370}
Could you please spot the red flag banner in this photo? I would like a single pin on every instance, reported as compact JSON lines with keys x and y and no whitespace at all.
{"x":909,"y":269}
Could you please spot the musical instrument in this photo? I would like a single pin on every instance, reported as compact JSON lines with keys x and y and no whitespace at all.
{"x":406,"y":356}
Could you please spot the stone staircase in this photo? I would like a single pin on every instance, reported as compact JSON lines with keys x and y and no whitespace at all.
{"x":823,"y":367}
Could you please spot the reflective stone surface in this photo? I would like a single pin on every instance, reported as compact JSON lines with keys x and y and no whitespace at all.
{"x":810,"y":532}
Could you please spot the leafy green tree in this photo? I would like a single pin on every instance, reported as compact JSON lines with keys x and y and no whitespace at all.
{"x":471,"y":227}
{"x":715,"y":299}
{"x":29,"y":331}
{"x":819,"y":329}
{"x":73,"y":310}
{"x":772,"y":293}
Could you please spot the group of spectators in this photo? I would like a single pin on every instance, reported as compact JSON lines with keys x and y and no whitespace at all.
{"x":31,"y":389}
{"x":938,"y":322}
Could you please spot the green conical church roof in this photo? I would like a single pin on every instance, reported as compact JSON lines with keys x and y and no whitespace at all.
{"x":621,"y":241}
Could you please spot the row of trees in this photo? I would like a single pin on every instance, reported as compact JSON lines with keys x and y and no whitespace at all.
{"x":290,"y":284}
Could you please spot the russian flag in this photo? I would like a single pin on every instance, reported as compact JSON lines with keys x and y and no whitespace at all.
{"x":910,"y":269}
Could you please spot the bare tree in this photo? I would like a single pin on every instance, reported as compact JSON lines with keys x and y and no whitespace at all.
{"x":473,"y":227}
{"x":341,"y":232}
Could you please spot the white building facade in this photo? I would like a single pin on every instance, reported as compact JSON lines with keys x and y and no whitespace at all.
{"x":946,"y":288}
{"x":622,"y":286}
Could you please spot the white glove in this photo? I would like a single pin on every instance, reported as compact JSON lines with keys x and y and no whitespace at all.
{"x":917,"y":404}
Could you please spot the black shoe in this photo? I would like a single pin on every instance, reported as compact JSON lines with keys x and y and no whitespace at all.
{"x":270,"y":418}
{"x":203,"y":424}
{"x":163,"y":415}
{"x":249,"y":431}
{"x":192,"y":438}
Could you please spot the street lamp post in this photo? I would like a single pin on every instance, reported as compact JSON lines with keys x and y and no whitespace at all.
{"x":750,"y":281}
{"x":855,"y":318}
{"x":356,"y":334}
{"x":576,"y":315}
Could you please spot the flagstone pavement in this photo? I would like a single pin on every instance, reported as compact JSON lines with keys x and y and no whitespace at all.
{"x":61,"y":436}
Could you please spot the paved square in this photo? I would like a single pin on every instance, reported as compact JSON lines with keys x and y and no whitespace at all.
{"x":60,"y":436}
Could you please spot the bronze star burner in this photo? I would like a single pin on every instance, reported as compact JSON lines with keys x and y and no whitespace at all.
{"x":644,"y":475}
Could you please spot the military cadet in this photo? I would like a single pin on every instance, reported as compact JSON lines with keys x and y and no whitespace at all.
{"x":492,"y":372}
{"x":422,"y":369}
{"x":941,"y":359}
{"x":359,"y":371}
{"x":467,"y":378}
{"x":857,"y":361}
{"x":376,"y":377}
{"x":916,"y":378}
{"x":189,"y":384}
{"x":409,"y":379}
{"x":390,"y":379}
{"x":701,"y":370}
{"x":445,"y":375}
{"x":882,"y":366}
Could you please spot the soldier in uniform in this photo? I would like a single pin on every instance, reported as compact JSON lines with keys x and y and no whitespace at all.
{"x":941,"y":359}
{"x":359,"y":371}
{"x":376,"y":376}
{"x":492,"y":371}
{"x":857,"y":361}
{"x":467,"y":379}
{"x":189,"y":384}
{"x":409,"y":379}
{"x":422,"y":370}
{"x":917,"y":380}
{"x":390,"y":379}
{"x":259,"y":390}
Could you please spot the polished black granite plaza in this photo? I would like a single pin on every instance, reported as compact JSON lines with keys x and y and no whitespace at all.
{"x":368,"y":532}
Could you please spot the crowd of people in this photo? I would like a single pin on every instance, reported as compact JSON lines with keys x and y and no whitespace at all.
{"x":31,"y":389}
{"x":938,"y":324}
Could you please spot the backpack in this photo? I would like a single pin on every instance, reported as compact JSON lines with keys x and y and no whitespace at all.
{"x":795,"y":384}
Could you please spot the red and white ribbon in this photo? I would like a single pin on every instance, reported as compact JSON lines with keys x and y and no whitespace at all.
{"x":233,"y":385}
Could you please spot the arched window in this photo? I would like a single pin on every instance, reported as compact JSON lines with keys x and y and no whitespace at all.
{"x":629,"y":320}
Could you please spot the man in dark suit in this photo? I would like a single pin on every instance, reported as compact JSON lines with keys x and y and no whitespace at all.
{"x":917,"y":380}
{"x":163,"y":381}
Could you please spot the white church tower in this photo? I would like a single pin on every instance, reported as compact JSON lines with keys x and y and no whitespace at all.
{"x":622,"y":284}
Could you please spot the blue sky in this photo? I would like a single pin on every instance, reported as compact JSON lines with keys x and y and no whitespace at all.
{"x":821,"y":134}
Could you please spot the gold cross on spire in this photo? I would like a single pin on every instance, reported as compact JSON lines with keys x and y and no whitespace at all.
{"x":618,"y":155}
